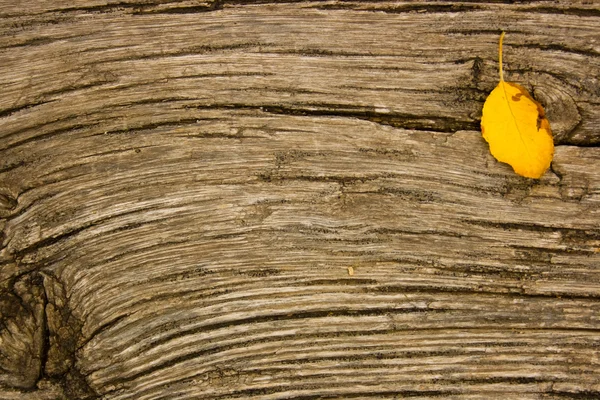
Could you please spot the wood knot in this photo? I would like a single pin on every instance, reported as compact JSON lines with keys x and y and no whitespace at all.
{"x":561,"y":109}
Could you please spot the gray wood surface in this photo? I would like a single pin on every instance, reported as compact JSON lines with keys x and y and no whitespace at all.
{"x":265,"y":200}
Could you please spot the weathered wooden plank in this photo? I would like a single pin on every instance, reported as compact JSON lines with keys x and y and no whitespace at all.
{"x":184,"y":187}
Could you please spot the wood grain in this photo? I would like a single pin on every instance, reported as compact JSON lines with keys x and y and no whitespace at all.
{"x":264,"y":200}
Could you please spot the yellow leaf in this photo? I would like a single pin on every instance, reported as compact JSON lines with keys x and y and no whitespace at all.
{"x":515,"y":127}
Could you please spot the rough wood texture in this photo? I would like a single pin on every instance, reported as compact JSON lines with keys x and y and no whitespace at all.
{"x":254,"y":200}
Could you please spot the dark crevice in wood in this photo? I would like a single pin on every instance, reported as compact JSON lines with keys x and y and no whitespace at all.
{"x":73,"y":88}
{"x":150,"y":126}
{"x":343,"y":180}
{"x":21,"y":130}
{"x":48,"y":135}
{"x":515,"y":380}
{"x":482,"y":3}
{"x":371,"y":394}
{"x":218,"y":136}
{"x":45,"y":328}
{"x":215,"y":289}
{"x":38,"y":41}
{"x":11,"y":166}
{"x":100,"y":154}
{"x":150,"y":101}
{"x":307,"y":52}
{"x":590,"y":142}
{"x":213,"y":6}
{"x":266,"y":2}
{"x":57,"y":179}
{"x":242,"y":394}
{"x":397,"y":120}
{"x":350,"y":281}
{"x":111,"y":7}
{"x":567,"y":233}
{"x":34,"y":21}
{"x":9,"y":111}
{"x":415,"y":355}
{"x":580,"y":12}
{"x":273,"y":176}
{"x":102,"y":328}
{"x":367,"y":394}
{"x":516,"y":292}
{"x":408,"y":8}
{"x":469,"y":32}
{"x":582,"y":395}
{"x":512,"y":380}
{"x":426,"y":8}
{"x":222,"y":75}
{"x":331,"y":313}
{"x":558,"y":47}
{"x":414,"y":232}
{"x":49,"y":241}
{"x":553,"y":251}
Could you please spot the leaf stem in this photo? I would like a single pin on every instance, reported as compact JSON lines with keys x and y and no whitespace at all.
{"x":500,"y":56}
